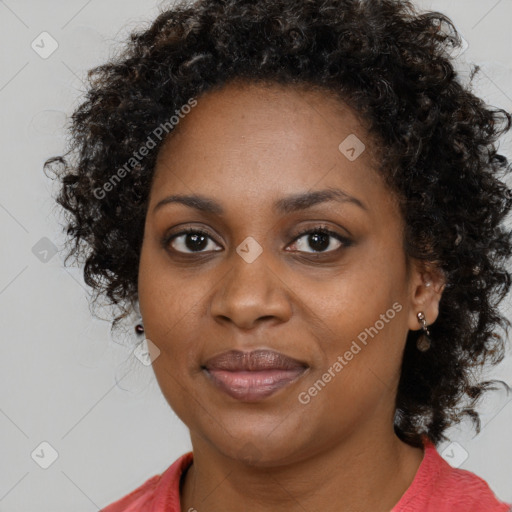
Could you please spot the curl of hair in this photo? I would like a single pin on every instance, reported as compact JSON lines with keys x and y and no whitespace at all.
{"x":392,"y":64}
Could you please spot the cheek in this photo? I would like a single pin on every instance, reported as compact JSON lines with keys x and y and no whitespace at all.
{"x":164,"y":296}
{"x":358,"y":299}
{"x":168,"y":307}
{"x":368,"y":344}
{"x":364,"y":313}
{"x":359,"y":375}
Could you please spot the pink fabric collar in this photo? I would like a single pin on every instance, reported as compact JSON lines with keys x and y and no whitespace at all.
{"x":437,"y":487}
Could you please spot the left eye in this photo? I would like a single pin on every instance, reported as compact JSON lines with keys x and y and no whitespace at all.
{"x":320,"y":240}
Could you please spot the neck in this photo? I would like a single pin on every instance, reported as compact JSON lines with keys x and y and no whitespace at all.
{"x":367,"y":471}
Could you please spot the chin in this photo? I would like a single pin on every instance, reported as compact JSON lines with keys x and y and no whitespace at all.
{"x":258,"y":445}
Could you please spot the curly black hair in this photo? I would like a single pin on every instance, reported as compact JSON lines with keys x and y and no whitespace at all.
{"x":394,"y":65}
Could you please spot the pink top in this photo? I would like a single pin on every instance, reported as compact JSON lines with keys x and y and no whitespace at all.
{"x":437,"y":487}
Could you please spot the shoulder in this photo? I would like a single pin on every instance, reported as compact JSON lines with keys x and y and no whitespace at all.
{"x":158,"y":493}
{"x":440,"y":487}
{"x":469,"y":492}
{"x":138,"y":499}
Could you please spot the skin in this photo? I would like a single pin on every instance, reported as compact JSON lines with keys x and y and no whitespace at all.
{"x":247,"y":146}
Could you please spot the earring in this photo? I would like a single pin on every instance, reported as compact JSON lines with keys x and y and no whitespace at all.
{"x":423,"y":343}
{"x":139,"y":326}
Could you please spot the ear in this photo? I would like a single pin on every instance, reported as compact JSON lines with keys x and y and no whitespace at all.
{"x":427,"y":283}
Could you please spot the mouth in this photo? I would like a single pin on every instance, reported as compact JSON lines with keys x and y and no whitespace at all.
{"x":252,"y":376}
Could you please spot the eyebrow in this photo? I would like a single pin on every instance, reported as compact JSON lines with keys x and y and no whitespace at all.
{"x":286,"y":205}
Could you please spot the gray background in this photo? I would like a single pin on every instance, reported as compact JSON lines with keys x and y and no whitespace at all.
{"x":64,"y":381}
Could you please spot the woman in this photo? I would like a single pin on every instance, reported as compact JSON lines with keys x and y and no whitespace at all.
{"x":307,"y":207}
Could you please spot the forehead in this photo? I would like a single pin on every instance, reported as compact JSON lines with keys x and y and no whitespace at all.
{"x":256,"y":112}
{"x":255,"y":139}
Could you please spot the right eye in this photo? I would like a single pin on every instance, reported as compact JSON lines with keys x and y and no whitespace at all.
{"x":189,"y":241}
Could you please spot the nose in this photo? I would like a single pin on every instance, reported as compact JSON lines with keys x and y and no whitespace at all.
{"x":251,"y":293}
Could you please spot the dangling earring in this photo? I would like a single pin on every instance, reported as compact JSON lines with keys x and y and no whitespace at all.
{"x":423,"y":343}
{"x":139,"y":326}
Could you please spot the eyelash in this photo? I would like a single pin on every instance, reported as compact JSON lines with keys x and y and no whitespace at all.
{"x":319,"y":229}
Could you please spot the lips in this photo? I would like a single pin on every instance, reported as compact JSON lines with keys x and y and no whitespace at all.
{"x":252,"y":376}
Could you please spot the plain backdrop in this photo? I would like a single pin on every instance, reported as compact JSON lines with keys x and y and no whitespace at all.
{"x":103,"y":422}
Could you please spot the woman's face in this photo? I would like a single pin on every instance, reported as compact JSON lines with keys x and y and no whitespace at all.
{"x":338,"y":305}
